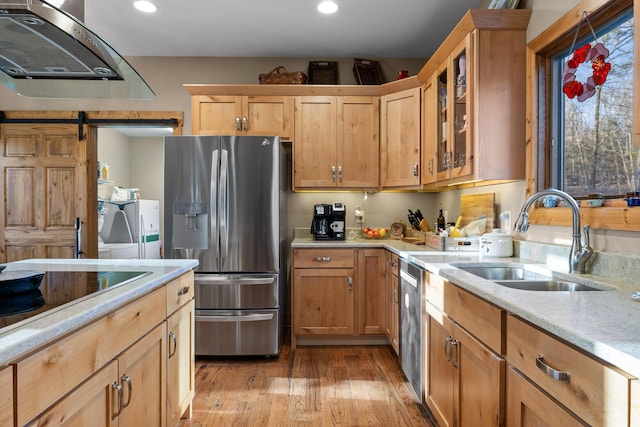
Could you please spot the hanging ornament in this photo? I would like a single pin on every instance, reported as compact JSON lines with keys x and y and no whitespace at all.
{"x":597,"y":56}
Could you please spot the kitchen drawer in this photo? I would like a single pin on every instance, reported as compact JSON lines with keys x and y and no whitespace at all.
{"x":179,"y":292}
{"x":323,"y":258}
{"x":6,"y":396}
{"x":47,"y":375}
{"x":434,"y":290}
{"x":482,"y":319}
{"x":597,"y":393}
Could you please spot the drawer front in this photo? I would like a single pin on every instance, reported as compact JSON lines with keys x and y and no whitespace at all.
{"x":482,"y":319}
{"x":6,"y":396}
{"x":595,"y":392}
{"x":323,"y":258}
{"x":179,"y":292}
{"x":434,"y":290}
{"x":47,"y":375}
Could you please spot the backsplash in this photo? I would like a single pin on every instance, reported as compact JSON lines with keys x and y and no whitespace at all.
{"x":616,"y":266}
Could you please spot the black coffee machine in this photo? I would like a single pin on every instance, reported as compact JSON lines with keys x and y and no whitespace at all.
{"x":328,"y":221}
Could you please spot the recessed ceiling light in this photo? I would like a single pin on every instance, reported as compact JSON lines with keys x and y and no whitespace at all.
{"x":328,"y":7}
{"x":145,"y":6}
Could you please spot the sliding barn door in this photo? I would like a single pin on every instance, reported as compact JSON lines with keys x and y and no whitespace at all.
{"x":45,"y":190}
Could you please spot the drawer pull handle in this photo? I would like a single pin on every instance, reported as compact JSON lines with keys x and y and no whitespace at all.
{"x":553,"y":373}
{"x":183,"y":291}
{"x":322,"y":258}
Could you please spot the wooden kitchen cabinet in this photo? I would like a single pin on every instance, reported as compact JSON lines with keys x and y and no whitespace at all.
{"x":180,"y":363}
{"x":465,"y":382}
{"x":477,"y":107}
{"x":370,"y":285}
{"x":6,"y":396}
{"x":336,"y":142}
{"x":242,"y":115}
{"x":428,"y":143}
{"x":392,"y":316}
{"x":576,"y":382}
{"x":322,"y":292}
{"x":635,"y":403}
{"x":400,"y":139}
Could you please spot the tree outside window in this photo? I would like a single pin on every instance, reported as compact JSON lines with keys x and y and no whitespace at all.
{"x":595,"y":153}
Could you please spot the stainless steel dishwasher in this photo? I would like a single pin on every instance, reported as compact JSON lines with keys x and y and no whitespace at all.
{"x":411,"y":324}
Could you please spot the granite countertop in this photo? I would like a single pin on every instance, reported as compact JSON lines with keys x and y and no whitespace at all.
{"x":22,"y":337}
{"x":603,"y":323}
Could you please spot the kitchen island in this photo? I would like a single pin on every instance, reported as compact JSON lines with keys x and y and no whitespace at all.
{"x":90,"y":355}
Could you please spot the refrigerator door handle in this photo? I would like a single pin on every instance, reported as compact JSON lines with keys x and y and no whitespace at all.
{"x":213,"y":196}
{"x":224,"y":205}
{"x":227,"y":281}
{"x":239,"y":318}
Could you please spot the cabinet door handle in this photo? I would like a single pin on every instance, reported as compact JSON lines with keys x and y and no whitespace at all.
{"x":447,"y":349}
{"x":452,"y":352}
{"x":237,"y":123}
{"x":416,"y":170}
{"x":244,"y":123}
{"x":175,"y":344}
{"x":553,"y":373}
{"x":333,"y":173}
{"x":183,"y":291}
{"x":117,"y":399}
{"x":350,"y":281}
{"x":322,"y":259}
{"x":430,"y":167}
{"x":126,"y":379}
{"x":340,"y":173}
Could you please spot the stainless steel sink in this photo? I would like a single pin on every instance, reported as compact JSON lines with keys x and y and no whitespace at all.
{"x":506,"y":273}
{"x":546,"y":285}
{"x":526,"y":279}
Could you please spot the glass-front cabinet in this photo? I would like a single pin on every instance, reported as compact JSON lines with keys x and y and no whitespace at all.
{"x":453,"y":112}
{"x":474,"y":101}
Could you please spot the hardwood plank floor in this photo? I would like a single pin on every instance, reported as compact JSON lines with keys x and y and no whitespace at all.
{"x":311,"y":386}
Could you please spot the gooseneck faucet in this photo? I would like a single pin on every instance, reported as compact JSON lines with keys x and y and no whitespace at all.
{"x":580,"y":249}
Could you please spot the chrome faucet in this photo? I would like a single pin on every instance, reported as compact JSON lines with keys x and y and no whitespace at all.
{"x":580,"y":249}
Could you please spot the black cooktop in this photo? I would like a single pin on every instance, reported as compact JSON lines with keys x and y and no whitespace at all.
{"x":58,"y":288}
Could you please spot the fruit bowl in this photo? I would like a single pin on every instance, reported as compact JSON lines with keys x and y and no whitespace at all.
{"x":374,"y":233}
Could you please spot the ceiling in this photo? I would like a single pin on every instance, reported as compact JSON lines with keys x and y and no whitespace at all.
{"x":279,"y":28}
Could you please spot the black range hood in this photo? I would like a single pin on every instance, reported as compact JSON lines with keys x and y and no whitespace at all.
{"x":47,"y":53}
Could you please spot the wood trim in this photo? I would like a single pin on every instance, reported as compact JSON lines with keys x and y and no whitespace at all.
{"x":614,"y":215}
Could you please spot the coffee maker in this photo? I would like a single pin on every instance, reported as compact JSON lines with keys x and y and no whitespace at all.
{"x":328,"y":221}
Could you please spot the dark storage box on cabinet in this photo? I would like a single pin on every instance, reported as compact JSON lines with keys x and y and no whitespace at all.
{"x":367,"y":72}
{"x":323,"y":72}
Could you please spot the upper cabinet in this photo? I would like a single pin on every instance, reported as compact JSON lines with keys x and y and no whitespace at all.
{"x":242,"y":115}
{"x":474,"y":100}
{"x":336,"y":142}
{"x":400,"y":139}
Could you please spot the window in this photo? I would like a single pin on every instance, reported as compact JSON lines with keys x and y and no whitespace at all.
{"x":591,"y":141}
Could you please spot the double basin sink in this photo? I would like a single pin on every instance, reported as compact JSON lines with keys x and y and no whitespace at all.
{"x":526,"y":279}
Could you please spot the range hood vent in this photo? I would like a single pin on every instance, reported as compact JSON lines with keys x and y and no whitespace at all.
{"x":47,"y":53}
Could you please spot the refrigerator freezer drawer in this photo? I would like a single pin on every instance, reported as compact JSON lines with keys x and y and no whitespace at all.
{"x":228,"y":293}
{"x":237,"y":332}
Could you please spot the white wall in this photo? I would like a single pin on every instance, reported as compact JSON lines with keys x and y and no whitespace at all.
{"x":113,"y":149}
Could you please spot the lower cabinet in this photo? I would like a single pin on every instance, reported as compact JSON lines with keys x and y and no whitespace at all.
{"x":635,"y":403}
{"x":545,"y":369}
{"x":464,"y":376}
{"x":6,"y":396}
{"x":180,"y":363}
{"x":129,"y":391}
{"x":392,"y":315}
{"x":338,"y":292}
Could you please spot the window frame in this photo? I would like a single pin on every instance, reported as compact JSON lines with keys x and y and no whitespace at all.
{"x":614,"y":214}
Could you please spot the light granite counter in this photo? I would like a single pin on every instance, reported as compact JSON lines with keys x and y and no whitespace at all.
{"x":603,"y":323}
{"x":22,"y":337}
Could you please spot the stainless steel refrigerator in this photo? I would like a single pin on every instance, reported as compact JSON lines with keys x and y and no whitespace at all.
{"x":226,"y":206}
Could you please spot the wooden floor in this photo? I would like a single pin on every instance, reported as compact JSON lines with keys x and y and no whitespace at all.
{"x":311,"y":386}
